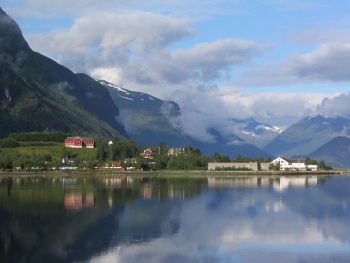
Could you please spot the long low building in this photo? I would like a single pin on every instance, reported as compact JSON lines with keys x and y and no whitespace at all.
{"x":217,"y":166}
{"x":285,"y":164}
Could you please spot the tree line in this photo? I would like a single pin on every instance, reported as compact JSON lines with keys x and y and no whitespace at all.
{"x":126,"y":152}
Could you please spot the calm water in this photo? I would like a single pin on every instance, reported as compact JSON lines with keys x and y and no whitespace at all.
{"x":105,"y":219}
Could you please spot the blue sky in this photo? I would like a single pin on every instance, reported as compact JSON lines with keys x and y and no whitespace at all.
{"x":275,"y":61}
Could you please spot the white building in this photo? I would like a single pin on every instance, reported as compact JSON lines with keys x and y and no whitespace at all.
{"x":294,"y":164}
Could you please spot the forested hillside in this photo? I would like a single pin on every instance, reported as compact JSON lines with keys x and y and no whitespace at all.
{"x":38,"y":94}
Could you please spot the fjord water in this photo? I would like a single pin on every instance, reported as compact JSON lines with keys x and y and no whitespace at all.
{"x":182,"y":219}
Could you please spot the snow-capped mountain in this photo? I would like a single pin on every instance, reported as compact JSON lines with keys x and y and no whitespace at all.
{"x":128,"y":96}
{"x":253,"y":132}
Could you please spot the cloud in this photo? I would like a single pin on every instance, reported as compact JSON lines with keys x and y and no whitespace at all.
{"x":117,"y":40}
{"x":330,"y":62}
{"x":137,"y":45}
{"x":337,"y":106}
{"x":209,"y":60}
{"x":207,"y":108}
{"x":327,"y":63}
{"x":272,"y":105}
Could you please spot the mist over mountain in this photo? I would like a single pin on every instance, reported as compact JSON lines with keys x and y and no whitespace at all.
{"x":150,"y":120}
{"x":258,"y":134}
{"x":147,"y":119}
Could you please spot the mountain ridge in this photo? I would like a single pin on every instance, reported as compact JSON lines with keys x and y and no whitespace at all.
{"x":308,"y":134}
{"x":335,"y":152}
{"x":38,"y":94}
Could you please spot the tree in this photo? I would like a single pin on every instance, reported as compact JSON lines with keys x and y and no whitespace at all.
{"x":161,"y":161}
{"x":8,"y":143}
{"x":191,"y":150}
{"x":162,"y":149}
{"x":274,"y":167}
{"x":220,"y":158}
{"x":102,"y":151}
{"x":309,"y":161}
{"x":323,"y":166}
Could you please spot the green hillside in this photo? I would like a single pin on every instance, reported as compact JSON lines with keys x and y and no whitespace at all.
{"x":38,"y":94}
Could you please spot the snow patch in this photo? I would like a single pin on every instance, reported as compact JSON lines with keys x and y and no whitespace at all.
{"x":127,"y":98}
{"x":313,"y":116}
{"x":107,"y":84}
{"x":236,"y":142}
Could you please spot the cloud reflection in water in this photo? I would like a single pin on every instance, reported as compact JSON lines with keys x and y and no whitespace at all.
{"x":247,"y":221}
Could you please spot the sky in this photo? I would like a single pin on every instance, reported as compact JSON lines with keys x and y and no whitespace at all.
{"x":274,"y":61}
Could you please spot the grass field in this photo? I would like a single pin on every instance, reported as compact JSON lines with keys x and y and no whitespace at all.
{"x":55,"y":149}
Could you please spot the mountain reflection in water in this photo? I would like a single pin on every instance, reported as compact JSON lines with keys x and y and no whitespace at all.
{"x":189,"y":219}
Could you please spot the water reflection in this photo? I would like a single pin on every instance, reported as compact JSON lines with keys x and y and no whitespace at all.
{"x":280,"y":183}
{"x":121,"y":219}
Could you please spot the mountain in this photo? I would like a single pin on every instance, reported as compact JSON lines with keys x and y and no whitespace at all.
{"x":308,"y":134}
{"x":147,"y":119}
{"x":231,"y":146}
{"x":38,"y":94}
{"x":150,"y":120}
{"x":335,"y":153}
{"x":253,"y":132}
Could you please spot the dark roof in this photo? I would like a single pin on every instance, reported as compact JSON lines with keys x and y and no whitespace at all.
{"x":294,"y":160}
{"x":83,"y":138}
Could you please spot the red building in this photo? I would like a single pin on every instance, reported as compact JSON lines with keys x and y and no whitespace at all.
{"x":148,"y":153}
{"x":79,"y":142}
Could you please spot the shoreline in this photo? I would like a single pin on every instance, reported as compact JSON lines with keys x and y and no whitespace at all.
{"x":173,"y":173}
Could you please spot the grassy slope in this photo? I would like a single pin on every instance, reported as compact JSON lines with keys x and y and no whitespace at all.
{"x":55,"y":149}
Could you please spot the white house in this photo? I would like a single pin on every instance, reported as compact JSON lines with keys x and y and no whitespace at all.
{"x":294,"y":164}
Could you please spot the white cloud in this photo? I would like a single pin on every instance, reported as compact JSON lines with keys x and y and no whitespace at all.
{"x":208,"y":60}
{"x":330,"y":62}
{"x":111,"y":40}
{"x":337,"y":106}
{"x":112,"y":74}
{"x":203,"y":109}
{"x":327,"y":63}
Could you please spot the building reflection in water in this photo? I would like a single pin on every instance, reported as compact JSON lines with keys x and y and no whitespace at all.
{"x":249,"y":182}
{"x":294,"y":182}
{"x":279,"y":184}
{"x":147,"y":190}
{"x":76,"y":200}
